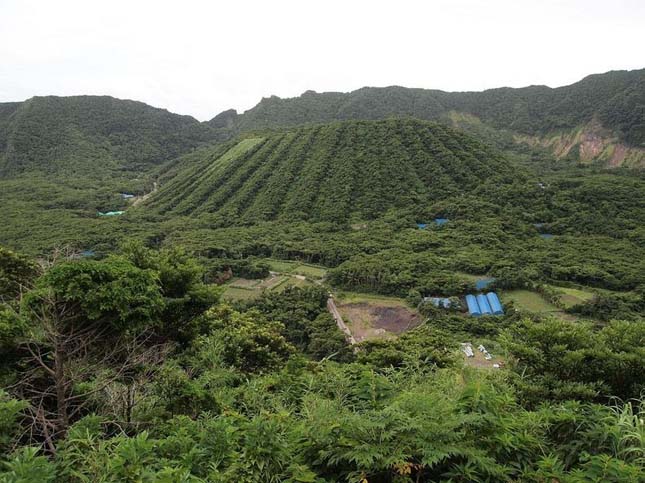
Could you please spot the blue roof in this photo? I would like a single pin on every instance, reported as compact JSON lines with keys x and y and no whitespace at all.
{"x":495,"y":304}
{"x":481,"y":304}
{"x":484,"y":306}
{"x":473,"y":306}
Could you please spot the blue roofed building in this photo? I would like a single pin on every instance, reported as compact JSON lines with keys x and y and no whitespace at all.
{"x":495,"y":304}
{"x":484,"y":306}
{"x":473,"y":306}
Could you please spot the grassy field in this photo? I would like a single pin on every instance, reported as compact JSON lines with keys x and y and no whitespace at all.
{"x":310,"y":271}
{"x":235,"y":293}
{"x":527,"y":300}
{"x":533,"y":302}
{"x":346,"y":296}
{"x":573,"y":296}
{"x":281,"y":266}
{"x":286,"y":266}
{"x":292,"y":282}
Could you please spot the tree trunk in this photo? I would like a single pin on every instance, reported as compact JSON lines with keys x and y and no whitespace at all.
{"x":61,"y":388}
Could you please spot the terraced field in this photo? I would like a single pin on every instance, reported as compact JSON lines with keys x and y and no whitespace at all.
{"x":317,"y":173}
{"x":283,"y":274}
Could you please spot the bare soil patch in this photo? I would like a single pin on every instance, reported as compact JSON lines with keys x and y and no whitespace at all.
{"x":370,"y":320}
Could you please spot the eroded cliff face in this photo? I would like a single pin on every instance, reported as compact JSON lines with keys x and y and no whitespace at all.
{"x":589,"y":143}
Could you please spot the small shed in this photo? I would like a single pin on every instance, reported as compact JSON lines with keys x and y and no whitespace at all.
{"x":438,"y":301}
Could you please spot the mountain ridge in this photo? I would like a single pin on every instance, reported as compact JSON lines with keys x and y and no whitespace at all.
{"x":599,"y":119}
{"x":614,"y":100}
{"x":83,"y":134}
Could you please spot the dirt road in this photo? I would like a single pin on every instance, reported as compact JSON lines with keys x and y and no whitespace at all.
{"x":339,"y":320}
{"x":140,"y":199}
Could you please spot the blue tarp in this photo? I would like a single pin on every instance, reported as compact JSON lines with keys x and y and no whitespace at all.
{"x":473,"y":306}
{"x":495,"y":304}
{"x":421,"y":226}
{"x":483,"y":283}
{"x":88,"y":253}
{"x":484,"y":306}
{"x":441,"y":221}
{"x":546,"y":236}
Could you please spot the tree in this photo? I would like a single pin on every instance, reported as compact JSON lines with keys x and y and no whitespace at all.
{"x":246,"y":341}
{"x":180,"y":279}
{"x":88,"y":323}
{"x":17,"y":273}
{"x":571,"y":360}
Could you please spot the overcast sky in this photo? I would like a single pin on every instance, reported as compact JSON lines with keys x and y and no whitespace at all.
{"x":201,"y":57}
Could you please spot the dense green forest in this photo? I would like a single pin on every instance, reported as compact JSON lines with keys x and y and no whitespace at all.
{"x":102,"y":136}
{"x":124,"y":356}
{"x":616,"y":99}
{"x":92,"y":136}
{"x":333,"y":173}
{"x":129,"y":368}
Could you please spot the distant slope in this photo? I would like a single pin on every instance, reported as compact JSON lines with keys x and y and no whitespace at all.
{"x":334,"y":172}
{"x":92,"y":135}
{"x":601,"y":117}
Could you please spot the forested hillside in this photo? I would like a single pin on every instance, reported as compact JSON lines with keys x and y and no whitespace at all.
{"x":610,"y":107}
{"x":131,"y":368}
{"x":335,"y":172}
{"x":92,"y":135}
{"x":259,"y":308}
